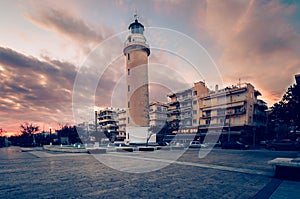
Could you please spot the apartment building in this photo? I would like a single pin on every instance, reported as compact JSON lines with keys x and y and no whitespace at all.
{"x":234,"y":111}
{"x":183,"y":108}
{"x":108,"y":119}
{"x":157,"y":114}
{"x":173,"y":113}
{"x":121,"y":119}
{"x":115,"y":120}
{"x":297,"y":78}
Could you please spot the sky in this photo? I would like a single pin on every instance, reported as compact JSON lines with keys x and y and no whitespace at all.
{"x":44,"y":45}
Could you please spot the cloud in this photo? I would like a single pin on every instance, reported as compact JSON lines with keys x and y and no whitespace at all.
{"x":256,"y":42}
{"x":251,"y":40}
{"x":68,"y":25}
{"x":34,"y":90}
{"x":41,"y":91}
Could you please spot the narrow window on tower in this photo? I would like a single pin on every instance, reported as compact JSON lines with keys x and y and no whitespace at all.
{"x":128,"y":120}
{"x":128,"y":71}
{"x":128,"y":88}
{"x":128,"y":104}
{"x":128,"y":56}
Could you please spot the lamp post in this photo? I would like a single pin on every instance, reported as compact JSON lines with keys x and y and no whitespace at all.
{"x":50,"y":134}
{"x":229,"y":126}
{"x":229,"y":117}
{"x":254,"y":136}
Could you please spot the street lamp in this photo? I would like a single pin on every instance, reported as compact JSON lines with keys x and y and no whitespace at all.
{"x":229,"y":117}
{"x":229,"y":125}
{"x":50,"y":131}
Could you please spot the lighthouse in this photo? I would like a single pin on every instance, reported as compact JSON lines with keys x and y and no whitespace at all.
{"x":137,"y":51}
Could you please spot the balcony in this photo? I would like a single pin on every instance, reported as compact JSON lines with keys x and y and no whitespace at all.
{"x":221,"y":105}
{"x":173,"y":112}
{"x":185,"y":99}
{"x":185,"y":108}
{"x":240,"y":112}
{"x":173,"y":119}
{"x":172,"y":108}
{"x":206,"y":116}
{"x":173,"y":103}
{"x":108,"y":121}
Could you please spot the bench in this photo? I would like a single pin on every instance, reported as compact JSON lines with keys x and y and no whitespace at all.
{"x":286,"y":168}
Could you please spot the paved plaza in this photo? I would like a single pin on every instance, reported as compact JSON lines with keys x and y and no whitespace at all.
{"x":221,"y":174}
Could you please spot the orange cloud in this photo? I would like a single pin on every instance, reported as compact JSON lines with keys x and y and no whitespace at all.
{"x":256,"y":43}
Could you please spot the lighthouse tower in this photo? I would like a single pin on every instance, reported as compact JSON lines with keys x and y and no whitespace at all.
{"x":136,"y":51}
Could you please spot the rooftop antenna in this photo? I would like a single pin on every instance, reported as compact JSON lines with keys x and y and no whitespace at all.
{"x":135,"y":15}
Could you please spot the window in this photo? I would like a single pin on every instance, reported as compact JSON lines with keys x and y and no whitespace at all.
{"x":128,"y":56}
{"x":128,"y":104}
{"x":128,"y":71}
{"x":128,"y":88}
{"x":194,"y":111}
{"x":207,"y":122}
{"x":195,"y":93}
{"x":221,"y":111}
{"x":207,"y":113}
{"x":194,"y":121}
{"x":194,"y":102}
{"x":128,"y":120}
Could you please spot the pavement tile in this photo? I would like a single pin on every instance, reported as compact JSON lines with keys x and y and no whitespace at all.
{"x":24,"y":175}
{"x":286,"y":190}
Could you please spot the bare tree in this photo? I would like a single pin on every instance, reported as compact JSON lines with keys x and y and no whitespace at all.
{"x":2,"y":132}
{"x":28,"y":129}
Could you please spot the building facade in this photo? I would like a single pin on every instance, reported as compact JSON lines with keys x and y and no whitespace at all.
{"x":183,"y":108}
{"x":297,"y":78}
{"x":235,"y":112}
{"x":121,"y":119}
{"x":173,"y":113}
{"x":158,"y":114}
{"x":108,"y":124}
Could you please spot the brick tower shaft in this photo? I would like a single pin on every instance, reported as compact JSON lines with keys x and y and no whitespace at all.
{"x":137,"y":51}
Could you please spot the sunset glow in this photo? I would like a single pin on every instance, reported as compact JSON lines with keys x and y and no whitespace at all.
{"x":43,"y":45}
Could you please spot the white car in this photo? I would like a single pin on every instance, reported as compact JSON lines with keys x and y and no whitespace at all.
{"x":195,"y":144}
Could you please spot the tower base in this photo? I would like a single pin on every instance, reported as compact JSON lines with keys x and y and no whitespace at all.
{"x":139,"y":135}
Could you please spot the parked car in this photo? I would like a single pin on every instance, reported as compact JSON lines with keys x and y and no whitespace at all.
{"x":211,"y":144}
{"x":176,"y":144}
{"x":234,"y":145}
{"x":285,"y":144}
{"x":195,"y":144}
{"x":113,"y":145}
